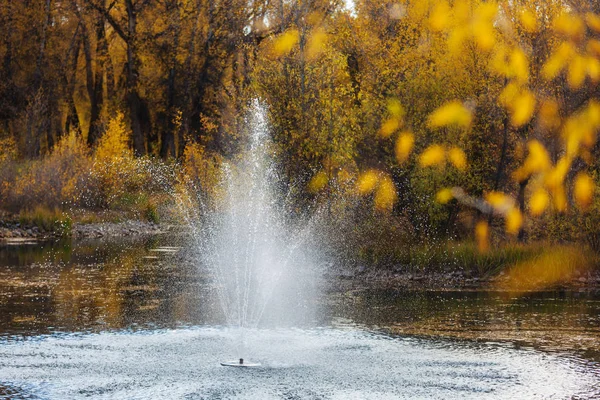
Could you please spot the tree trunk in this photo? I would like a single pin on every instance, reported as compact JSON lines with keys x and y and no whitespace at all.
{"x":521,"y":202}
{"x":72,"y":122}
{"x":96,"y":84}
{"x":167,"y":142}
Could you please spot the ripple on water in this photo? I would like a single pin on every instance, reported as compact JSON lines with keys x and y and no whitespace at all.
{"x":296,"y":364}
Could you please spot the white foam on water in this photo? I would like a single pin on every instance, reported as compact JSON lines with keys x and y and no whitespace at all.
{"x":303,"y":364}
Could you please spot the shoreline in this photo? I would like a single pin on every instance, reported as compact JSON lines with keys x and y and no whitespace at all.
{"x":351,"y":279}
{"x":15,"y":232}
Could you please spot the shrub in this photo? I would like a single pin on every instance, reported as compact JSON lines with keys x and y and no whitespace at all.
{"x":52,"y":181}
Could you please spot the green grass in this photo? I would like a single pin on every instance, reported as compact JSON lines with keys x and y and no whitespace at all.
{"x":452,"y":256}
{"x":51,"y":220}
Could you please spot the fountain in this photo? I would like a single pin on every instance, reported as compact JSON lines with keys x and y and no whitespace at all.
{"x":252,"y":250}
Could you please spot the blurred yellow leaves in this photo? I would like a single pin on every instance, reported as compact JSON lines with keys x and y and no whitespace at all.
{"x":557,"y":61}
{"x":458,"y":158}
{"x":404,"y":146}
{"x":318,"y":182}
{"x":522,"y":108}
{"x":444,"y":196}
{"x":385,"y":195}
{"x":528,"y":20}
{"x":316,"y":43}
{"x":390,"y":126}
{"x":538,"y":160}
{"x":284,"y":43}
{"x":436,"y":155}
{"x":593,"y":21}
{"x":499,"y":201}
{"x":433,"y":155}
{"x":512,"y":64}
{"x":367,"y":182}
{"x":514,"y":221}
{"x":439,"y":18}
{"x":383,"y":187}
{"x":519,"y":102}
{"x":538,"y":202}
{"x":394,"y":122}
{"x":462,"y":23}
{"x":569,"y":25}
{"x":583,"y":190}
{"x":450,"y":114}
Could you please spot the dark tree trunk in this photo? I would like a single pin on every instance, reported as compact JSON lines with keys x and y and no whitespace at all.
{"x":521,"y":202}
{"x":96,"y":88}
{"x":72,"y":121}
{"x":167,"y":147}
{"x":138,"y":109}
{"x":167,"y":142}
{"x":502,"y":162}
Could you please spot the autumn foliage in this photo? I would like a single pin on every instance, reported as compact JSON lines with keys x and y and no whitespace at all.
{"x":465,"y":119}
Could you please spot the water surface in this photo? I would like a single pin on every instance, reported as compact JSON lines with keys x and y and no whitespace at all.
{"x":137,"y":318}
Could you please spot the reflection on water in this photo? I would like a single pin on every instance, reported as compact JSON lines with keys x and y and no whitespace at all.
{"x":549,"y":320}
{"x":99,"y":285}
{"x":151,"y":283}
{"x":126,"y":283}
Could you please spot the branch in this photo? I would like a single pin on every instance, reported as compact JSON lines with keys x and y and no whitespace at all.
{"x":106,"y":13}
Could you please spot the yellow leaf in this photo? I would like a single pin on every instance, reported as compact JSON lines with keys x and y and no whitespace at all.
{"x":395,"y":108}
{"x":458,"y":158}
{"x":404,"y":146}
{"x":452,"y":113}
{"x":433,"y":155}
{"x":593,"y":21}
{"x":538,"y":160}
{"x":508,"y":95}
{"x":440,"y":16}
{"x":560,"y":199}
{"x":318,"y":182}
{"x":528,"y":21}
{"x":556,"y":176}
{"x":482,"y":236}
{"x":558,"y":61}
{"x":569,"y":25}
{"x":583,"y":190}
{"x":499,"y":201}
{"x":548,"y":115}
{"x":593,"y":68}
{"x":482,"y":26}
{"x":285,"y":42}
{"x":316,"y":43}
{"x":577,"y":72}
{"x":538,"y":202}
{"x":485,"y":37}
{"x":499,"y":61}
{"x":519,"y":65}
{"x":367,"y":182}
{"x":385,"y":196}
{"x":593,"y":47}
{"x":514,"y":221}
{"x":522,"y":108}
{"x":444,"y":196}
{"x":390,"y":126}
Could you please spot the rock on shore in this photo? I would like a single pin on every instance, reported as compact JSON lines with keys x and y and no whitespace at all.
{"x":15,"y":231}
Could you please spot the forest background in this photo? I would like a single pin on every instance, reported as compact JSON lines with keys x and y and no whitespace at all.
{"x":435,"y":133}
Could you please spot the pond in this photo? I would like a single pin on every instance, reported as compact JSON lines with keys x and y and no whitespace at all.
{"x":136,"y":318}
